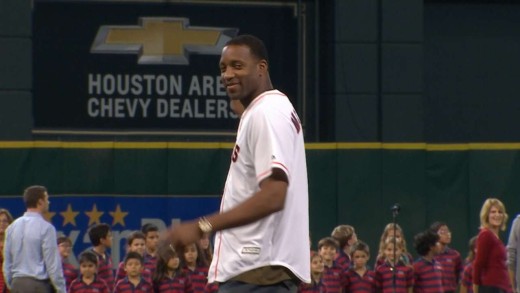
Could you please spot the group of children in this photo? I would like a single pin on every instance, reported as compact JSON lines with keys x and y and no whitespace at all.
{"x":146,"y":268}
{"x":341,"y":263}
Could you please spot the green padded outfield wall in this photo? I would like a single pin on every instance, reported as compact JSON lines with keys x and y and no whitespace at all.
{"x":402,"y":71}
{"x":354,"y":183}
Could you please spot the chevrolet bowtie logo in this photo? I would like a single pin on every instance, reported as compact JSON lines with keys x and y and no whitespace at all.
{"x":161,"y":40}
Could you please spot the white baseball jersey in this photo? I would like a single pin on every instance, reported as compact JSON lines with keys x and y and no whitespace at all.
{"x":269,"y":136}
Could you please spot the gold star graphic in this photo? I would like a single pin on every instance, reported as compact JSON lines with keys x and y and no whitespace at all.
{"x":119,"y":216}
{"x":48,"y":216}
{"x":69,"y":216}
{"x":94,"y":216}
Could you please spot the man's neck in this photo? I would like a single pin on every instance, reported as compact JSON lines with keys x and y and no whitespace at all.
{"x":34,"y":210}
{"x":328,"y":263}
{"x":246,"y":101}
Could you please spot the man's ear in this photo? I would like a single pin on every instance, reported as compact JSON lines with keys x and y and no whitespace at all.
{"x":263,"y":66}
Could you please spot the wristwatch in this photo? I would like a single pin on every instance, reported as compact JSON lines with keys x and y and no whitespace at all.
{"x":205,"y":226}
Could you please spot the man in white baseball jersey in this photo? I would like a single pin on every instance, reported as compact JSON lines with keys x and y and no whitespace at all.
{"x":262,"y":239}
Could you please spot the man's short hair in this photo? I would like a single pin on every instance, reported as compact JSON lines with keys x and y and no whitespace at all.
{"x":88,"y":256}
{"x":98,"y":232}
{"x":33,"y":194}
{"x":256,"y":46}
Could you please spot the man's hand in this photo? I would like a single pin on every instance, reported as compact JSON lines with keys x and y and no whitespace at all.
{"x":183,"y":234}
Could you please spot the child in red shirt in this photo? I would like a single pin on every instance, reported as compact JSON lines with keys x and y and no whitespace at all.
{"x":88,"y":282}
{"x":316,"y":285}
{"x":169,"y":276}
{"x":133,"y":282}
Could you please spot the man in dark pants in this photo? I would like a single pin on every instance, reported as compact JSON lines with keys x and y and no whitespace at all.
{"x":31,"y":259}
{"x":262,"y":239}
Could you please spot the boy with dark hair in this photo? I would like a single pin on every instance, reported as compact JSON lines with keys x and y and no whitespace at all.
{"x":135,"y":243}
{"x":449,"y":259}
{"x":333,"y":275}
{"x":359,"y":277}
{"x":101,"y":239}
{"x":69,"y":271}
{"x":151,"y":234}
{"x":133,"y":282}
{"x":317,"y":269}
{"x":88,"y":282}
{"x":427,"y":271}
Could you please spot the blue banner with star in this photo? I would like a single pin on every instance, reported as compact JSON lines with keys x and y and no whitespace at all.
{"x":73,"y":215}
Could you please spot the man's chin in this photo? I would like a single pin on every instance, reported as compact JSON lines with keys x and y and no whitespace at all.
{"x":233,"y":97}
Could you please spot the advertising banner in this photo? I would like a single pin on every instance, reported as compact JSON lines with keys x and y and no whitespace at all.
{"x":149,"y":67}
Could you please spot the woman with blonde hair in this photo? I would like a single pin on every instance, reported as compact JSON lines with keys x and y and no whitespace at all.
{"x":490,"y":273}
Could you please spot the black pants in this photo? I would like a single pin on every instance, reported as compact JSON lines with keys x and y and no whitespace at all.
{"x":240,"y":287}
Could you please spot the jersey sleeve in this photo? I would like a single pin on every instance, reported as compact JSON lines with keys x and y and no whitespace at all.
{"x":272,"y":138}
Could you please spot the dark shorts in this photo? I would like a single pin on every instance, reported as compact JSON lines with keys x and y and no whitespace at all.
{"x":239,"y":287}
